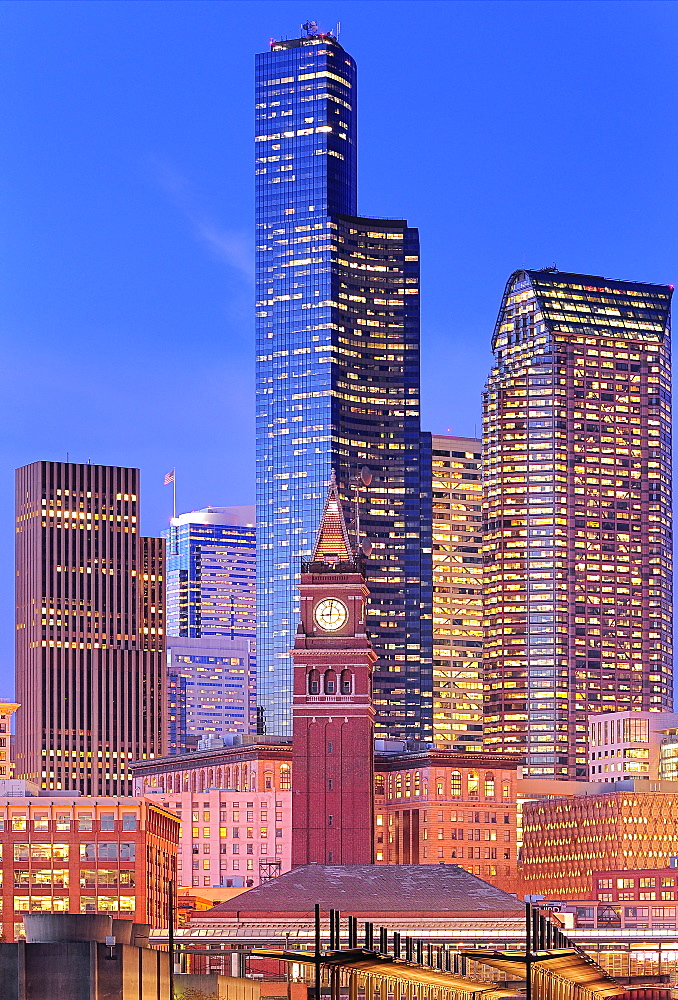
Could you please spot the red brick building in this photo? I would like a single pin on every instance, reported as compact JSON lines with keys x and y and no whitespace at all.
{"x":70,"y":854}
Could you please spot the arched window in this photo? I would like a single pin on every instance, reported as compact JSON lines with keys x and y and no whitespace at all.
{"x":455,"y":784}
{"x":506,"y":791}
{"x":313,"y":682}
{"x":489,"y":785}
{"x":268,"y":780}
{"x":472,"y":784}
{"x":346,"y":682}
{"x":210,"y":777}
{"x":285,"y":777}
{"x":330,"y":682}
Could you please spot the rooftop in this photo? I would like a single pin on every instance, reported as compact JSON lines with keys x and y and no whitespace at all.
{"x":373,"y":888}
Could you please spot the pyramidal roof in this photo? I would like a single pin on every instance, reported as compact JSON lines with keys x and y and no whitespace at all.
{"x":332,"y":544}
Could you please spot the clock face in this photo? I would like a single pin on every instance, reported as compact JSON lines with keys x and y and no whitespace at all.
{"x":330,"y":614}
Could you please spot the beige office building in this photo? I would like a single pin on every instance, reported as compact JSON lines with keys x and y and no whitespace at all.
{"x":89,"y":615}
{"x":457,"y":592}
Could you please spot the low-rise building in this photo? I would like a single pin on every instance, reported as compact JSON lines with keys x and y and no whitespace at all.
{"x":440,"y":806}
{"x":235,"y":807}
{"x":628,"y":744}
{"x":64,"y":853}
{"x":631,"y":825}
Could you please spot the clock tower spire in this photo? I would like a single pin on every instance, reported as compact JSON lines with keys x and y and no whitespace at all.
{"x":332,"y":712}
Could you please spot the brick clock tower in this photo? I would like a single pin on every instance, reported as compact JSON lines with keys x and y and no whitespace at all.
{"x":333,"y":728}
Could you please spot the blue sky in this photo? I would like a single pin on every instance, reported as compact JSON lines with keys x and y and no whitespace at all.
{"x":510,"y":133}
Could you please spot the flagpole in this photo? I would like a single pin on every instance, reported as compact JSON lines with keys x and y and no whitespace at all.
{"x":174,"y":492}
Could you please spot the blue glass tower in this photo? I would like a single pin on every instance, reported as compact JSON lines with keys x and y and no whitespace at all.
{"x":211,"y":567}
{"x":211,"y":595}
{"x":337,"y":382}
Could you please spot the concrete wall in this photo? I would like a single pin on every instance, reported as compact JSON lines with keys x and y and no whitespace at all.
{"x":82,"y":970}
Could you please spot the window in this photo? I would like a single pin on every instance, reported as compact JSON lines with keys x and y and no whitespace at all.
{"x":107,"y":822}
{"x":472,"y":784}
{"x":129,"y":822}
{"x":40,"y":821}
{"x":85,"y":822}
{"x":455,"y":784}
{"x":489,"y":786}
{"x":330,"y":820}
{"x":285,"y":777}
{"x":63,"y":821}
{"x":636,"y":731}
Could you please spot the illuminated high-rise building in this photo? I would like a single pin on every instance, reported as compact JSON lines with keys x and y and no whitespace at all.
{"x":211,"y":569}
{"x":211,"y":595}
{"x":457,"y":591}
{"x":90,"y":642}
{"x":577,"y":502}
{"x":337,"y":382}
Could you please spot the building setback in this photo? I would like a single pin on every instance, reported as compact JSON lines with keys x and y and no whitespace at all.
{"x":89,"y":642}
{"x":337,"y":382}
{"x":457,"y":592}
{"x":577,"y":501}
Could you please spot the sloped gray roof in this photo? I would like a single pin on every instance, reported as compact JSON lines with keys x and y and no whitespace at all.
{"x":373,"y":888}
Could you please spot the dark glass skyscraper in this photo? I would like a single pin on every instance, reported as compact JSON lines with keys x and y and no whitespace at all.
{"x":337,"y":382}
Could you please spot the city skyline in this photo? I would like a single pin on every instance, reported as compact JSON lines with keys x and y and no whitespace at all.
{"x":454,"y":339}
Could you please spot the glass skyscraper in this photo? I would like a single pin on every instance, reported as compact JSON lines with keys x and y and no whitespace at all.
{"x":337,"y":382}
{"x":211,"y":567}
{"x":577,"y":502}
{"x":211,"y":595}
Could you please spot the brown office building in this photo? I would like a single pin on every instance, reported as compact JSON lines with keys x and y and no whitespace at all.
{"x":90,"y":644}
{"x":577,"y":501}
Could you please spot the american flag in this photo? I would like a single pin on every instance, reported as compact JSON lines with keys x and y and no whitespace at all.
{"x":169,"y":478}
